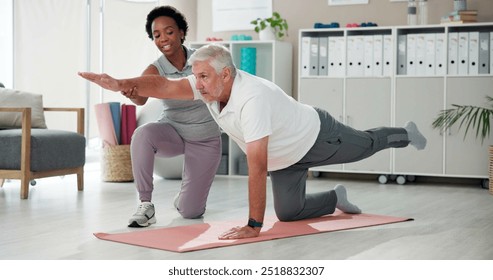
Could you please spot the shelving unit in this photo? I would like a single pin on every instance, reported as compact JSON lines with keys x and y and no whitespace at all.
{"x":274,"y":63}
{"x":405,"y":91}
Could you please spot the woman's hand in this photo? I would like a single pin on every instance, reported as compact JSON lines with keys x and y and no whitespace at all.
{"x":132,"y":93}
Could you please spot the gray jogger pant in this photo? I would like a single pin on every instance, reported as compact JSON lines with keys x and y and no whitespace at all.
{"x":201,"y":160}
{"x":336,"y":144}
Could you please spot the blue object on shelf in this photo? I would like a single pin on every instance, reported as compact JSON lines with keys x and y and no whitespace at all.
{"x":368,"y":24}
{"x":248,"y":62}
{"x":330,"y":25}
{"x":241,"y":37}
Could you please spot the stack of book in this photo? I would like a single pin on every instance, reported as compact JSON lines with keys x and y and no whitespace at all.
{"x":464,"y":16}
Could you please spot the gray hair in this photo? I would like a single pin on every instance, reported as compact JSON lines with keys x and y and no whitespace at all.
{"x":218,"y":57}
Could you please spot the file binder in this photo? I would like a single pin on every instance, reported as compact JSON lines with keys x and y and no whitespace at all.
{"x":305,"y":56}
{"x":322,"y":56}
{"x":473,"y":53}
{"x":484,"y":55}
{"x":420,"y":54}
{"x":340,"y":56}
{"x":440,"y":54}
{"x":355,"y":55}
{"x":360,"y":52}
{"x":388,"y":55}
{"x":401,"y":55}
{"x":351,"y":56}
{"x":332,"y":56}
{"x":463,"y":53}
{"x":453,"y":53}
{"x":411,"y":54}
{"x":377,"y":55}
{"x":314,"y":42}
{"x":491,"y":52}
{"x":430,"y":52}
{"x":368,"y":55}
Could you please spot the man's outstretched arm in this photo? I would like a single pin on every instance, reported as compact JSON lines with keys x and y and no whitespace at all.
{"x":147,"y":86}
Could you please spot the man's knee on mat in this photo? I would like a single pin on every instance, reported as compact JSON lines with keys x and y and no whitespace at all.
{"x":287,"y":216}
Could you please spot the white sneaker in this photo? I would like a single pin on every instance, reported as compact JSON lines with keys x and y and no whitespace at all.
{"x":145,"y":216}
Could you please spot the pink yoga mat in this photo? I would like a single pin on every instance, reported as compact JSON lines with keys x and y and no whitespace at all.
{"x":204,"y":236}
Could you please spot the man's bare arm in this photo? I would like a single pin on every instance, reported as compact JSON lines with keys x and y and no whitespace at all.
{"x":257,"y":184}
{"x":146,"y":86}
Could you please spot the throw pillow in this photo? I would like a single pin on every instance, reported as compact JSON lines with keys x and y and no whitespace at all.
{"x":14,"y":98}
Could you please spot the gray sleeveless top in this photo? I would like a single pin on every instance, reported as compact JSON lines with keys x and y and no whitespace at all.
{"x":190,"y":118}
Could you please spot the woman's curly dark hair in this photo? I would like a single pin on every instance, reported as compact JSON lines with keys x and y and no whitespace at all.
{"x":167,"y":11}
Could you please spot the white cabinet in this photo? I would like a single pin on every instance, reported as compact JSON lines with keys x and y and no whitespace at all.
{"x":368,"y":106}
{"x":467,"y":157}
{"x":419,"y":99}
{"x":273,"y":61}
{"x":423,"y":79}
{"x":327,"y":94}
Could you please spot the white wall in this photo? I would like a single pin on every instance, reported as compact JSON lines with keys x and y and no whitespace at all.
{"x":6,"y":43}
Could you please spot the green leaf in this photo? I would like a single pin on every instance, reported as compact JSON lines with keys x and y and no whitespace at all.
{"x":468,"y":117}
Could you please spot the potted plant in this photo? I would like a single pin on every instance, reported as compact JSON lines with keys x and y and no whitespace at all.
{"x":473,"y":118}
{"x":272,"y":28}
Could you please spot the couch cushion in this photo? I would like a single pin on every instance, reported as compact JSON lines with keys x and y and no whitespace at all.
{"x":16,"y":98}
{"x":50,"y":149}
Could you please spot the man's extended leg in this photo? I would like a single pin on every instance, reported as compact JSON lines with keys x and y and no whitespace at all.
{"x":338,"y":143}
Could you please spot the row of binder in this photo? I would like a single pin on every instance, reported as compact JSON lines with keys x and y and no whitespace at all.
{"x":363,"y":55}
{"x":420,"y":54}
{"x":474,"y":49}
{"x":462,"y":53}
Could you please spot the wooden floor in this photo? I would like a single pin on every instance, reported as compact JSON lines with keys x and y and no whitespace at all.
{"x":452,"y":221}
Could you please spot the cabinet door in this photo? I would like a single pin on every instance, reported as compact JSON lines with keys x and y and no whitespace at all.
{"x":368,"y":106}
{"x":419,"y":100}
{"x":467,"y":157}
{"x":327,"y":94}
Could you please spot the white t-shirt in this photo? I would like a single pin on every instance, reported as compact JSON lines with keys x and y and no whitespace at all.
{"x":259,"y":108}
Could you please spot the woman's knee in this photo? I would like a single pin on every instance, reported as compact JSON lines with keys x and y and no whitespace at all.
{"x":191,"y":213}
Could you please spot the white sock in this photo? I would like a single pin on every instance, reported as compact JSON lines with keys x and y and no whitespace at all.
{"x":415,"y":137}
{"x":342,"y":203}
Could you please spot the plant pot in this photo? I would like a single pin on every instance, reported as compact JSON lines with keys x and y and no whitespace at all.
{"x":267,"y":34}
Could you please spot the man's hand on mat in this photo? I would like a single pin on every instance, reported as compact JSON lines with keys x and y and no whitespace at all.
{"x":240,"y":233}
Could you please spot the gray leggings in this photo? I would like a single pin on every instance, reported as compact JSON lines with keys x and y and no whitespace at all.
{"x":336,"y":144}
{"x":201,"y":159}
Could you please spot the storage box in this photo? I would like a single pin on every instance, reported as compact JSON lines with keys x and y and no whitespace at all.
{"x":116,"y":164}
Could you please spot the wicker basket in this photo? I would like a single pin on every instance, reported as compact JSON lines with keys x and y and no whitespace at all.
{"x":490,"y":171}
{"x":116,"y":165}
